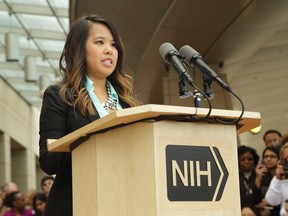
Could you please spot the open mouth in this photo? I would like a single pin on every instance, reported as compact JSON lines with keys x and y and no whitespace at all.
{"x":107,"y":62}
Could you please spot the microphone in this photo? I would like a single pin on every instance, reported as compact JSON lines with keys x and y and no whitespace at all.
{"x":192,"y":57}
{"x":172,"y":57}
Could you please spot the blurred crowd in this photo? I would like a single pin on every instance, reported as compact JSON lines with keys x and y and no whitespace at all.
{"x":31,"y":203}
{"x":263,"y":179}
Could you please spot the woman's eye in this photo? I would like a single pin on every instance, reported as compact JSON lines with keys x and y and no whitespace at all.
{"x":99,"y":42}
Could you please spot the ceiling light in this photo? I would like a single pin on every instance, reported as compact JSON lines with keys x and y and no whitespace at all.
{"x":12,"y":46}
{"x":44,"y":82}
{"x":30,"y":69}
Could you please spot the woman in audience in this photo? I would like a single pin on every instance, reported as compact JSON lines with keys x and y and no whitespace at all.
{"x":39,"y":203}
{"x":29,"y":198}
{"x":277,"y":192}
{"x":46,"y":183}
{"x":247,"y":160}
{"x":16,"y":202}
{"x":270,"y":158}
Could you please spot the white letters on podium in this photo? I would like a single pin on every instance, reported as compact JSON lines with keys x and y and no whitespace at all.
{"x":184,"y":177}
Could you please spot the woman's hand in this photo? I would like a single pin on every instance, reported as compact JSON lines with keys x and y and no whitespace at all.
{"x":279,"y":171}
{"x":260,"y":172}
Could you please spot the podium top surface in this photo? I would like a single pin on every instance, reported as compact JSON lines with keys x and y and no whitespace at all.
{"x":127,"y":116}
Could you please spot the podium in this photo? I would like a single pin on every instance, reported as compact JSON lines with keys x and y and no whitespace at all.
{"x":157,"y":160}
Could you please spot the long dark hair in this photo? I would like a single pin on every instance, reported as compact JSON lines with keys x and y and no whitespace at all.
{"x":273,"y":149}
{"x":73,"y":65}
{"x":243,"y":149}
{"x":10,"y":198}
{"x":38,"y":196}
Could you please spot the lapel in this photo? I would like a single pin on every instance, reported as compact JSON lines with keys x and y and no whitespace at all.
{"x":93,"y":117}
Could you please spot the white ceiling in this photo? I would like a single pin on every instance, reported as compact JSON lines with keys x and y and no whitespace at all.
{"x":41,"y":27}
{"x":250,"y":38}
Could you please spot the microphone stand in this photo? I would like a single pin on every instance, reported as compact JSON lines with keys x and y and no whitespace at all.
{"x":197,"y":93}
{"x":207,"y":87}
{"x":184,"y":93}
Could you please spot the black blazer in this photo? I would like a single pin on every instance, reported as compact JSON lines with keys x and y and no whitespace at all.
{"x":58,"y":119}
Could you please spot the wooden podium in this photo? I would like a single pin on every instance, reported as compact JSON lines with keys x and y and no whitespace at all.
{"x":157,"y":160}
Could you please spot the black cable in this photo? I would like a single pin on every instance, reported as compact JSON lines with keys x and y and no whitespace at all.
{"x":235,"y":120}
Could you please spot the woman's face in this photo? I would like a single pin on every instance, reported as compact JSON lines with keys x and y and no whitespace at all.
{"x":270,"y":159}
{"x":40,"y":205}
{"x":46,"y":187}
{"x":246,"y":162}
{"x":19,"y":202}
{"x":101,"y":53}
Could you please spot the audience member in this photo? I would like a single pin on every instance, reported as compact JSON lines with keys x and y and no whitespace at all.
{"x":16,"y":202}
{"x":29,"y":198}
{"x":271,"y":138}
{"x":247,"y":160}
{"x":270,"y":158}
{"x":39,"y":203}
{"x":46,"y":184}
{"x":277,"y":192}
{"x":7,"y":188}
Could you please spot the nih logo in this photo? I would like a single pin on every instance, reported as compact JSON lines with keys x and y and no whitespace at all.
{"x":195,"y":173}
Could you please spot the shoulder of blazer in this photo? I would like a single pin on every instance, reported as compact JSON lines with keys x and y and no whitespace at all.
{"x":52,"y":89}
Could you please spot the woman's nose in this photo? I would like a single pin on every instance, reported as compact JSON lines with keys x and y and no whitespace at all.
{"x":108,"y":50}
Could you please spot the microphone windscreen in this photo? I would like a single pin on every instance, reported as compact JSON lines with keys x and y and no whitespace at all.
{"x":165,"y":49}
{"x":188,"y":53}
